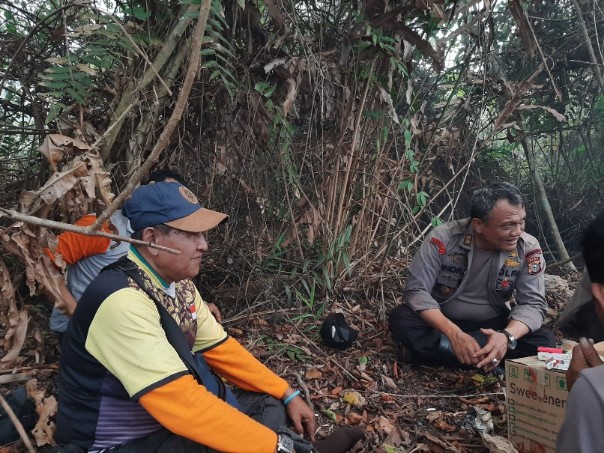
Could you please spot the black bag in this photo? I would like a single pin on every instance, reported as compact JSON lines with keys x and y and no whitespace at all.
{"x":336,"y":332}
{"x":25,"y":410}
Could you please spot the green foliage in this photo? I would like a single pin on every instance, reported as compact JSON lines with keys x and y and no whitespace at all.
{"x":279,"y":348}
{"x":217,"y":51}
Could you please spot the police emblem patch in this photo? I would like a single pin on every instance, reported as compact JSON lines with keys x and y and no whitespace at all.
{"x":534,"y":265}
{"x":467,"y":240}
{"x":504,"y":284}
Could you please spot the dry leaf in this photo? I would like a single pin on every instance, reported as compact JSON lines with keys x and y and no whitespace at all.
{"x":15,"y":336}
{"x":498,"y":444}
{"x":384,"y":425}
{"x":46,"y":408}
{"x":313,"y":374}
{"x":389,"y":382}
{"x":353,"y":418}
{"x":354,"y":398}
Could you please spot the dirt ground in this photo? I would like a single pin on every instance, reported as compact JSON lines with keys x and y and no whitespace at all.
{"x":402,"y":407}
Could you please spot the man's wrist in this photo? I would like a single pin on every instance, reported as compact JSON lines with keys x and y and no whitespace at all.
{"x":510,"y":338}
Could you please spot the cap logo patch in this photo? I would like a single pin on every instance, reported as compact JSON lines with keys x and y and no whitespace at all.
{"x":188,"y":195}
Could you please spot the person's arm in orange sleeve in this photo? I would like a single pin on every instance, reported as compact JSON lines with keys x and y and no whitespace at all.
{"x":235,"y":363}
{"x":189,"y":410}
{"x":75,"y":246}
{"x":238,"y":366}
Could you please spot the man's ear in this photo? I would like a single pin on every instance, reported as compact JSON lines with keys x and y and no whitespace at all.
{"x":150,"y":235}
{"x":477,"y":224}
{"x":597,"y":290}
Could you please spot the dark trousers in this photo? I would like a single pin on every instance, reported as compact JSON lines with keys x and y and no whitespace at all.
{"x":411,"y":330}
{"x":261,"y":407}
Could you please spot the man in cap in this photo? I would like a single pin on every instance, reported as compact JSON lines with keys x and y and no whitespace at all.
{"x":122,"y":384}
{"x":86,"y":256}
{"x":456,"y":308}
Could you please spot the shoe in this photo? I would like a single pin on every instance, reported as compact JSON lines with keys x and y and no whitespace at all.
{"x":404,"y":354}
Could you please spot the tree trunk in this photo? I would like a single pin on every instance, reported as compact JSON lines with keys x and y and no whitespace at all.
{"x":546,"y":209}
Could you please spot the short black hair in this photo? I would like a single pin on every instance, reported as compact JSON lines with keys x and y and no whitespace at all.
{"x":164,"y":173}
{"x":593,"y":249}
{"x":484,"y":200}
{"x":163,"y":229}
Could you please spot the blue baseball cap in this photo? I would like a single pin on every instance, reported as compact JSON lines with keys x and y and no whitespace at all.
{"x":170,"y":203}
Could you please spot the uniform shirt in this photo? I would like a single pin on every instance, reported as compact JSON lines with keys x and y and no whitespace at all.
{"x":581,"y":430}
{"x":120,"y":379}
{"x":438,"y":274}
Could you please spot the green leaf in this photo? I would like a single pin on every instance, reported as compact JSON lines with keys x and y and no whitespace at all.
{"x":414,"y":166}
{"x":76,"y":96}
{"x":138,"y":12}
{"x":191,"y":15}
{"x":209,"y":64}
{"x":53,"y":85}
{"x":422,"y":198}
{"x":54,"y":111}
{"x":330,"y":415}
{"x":405,"y":185}
{"x":436,"y":221}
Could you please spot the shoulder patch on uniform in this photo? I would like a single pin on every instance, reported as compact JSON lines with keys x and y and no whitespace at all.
{"x":534,"y":265}
{"x":532,"y":252}
{"x":467,"y":240}
{"x":441,"y":247}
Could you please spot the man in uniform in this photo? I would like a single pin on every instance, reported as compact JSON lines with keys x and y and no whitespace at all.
{"x":457,"y":306}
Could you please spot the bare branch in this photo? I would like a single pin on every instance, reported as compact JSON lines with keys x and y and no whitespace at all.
{"x":32,"y":220}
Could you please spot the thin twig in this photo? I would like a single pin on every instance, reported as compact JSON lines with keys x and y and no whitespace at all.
{"x":304,"y":388}
{"x":18,"y":425}
{"x":81,"y":230}
{"x":437,"y":395}
{"x":49,"y":366}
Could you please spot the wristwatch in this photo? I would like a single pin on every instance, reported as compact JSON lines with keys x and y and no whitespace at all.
{"x":511,"y":340}
{"x":285,"y":444}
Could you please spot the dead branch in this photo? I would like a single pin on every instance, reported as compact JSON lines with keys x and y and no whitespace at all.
{"x":31,"y":220}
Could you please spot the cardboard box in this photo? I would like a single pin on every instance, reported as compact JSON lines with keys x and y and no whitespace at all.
{"x":536,"y":401}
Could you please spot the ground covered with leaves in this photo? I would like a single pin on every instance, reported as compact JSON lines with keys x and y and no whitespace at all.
{"x":401,"y":407}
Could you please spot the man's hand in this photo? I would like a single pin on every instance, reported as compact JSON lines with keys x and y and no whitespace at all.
{"x":464,"y":347}
{"x":302,"y":417}
{"x":584,"y":356}
{"x":215,"y":312}
{"x":494,"y":351}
